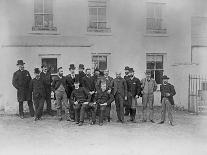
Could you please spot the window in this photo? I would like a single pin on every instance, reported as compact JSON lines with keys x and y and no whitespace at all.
{"x":43,"y":15}
{"x":155,"y":19}
{"x":98,"y":16}
{"x":51,"y":63}
{"x":100,"y":61}
{"x":204,"y":85}
{"x":155,"y":65}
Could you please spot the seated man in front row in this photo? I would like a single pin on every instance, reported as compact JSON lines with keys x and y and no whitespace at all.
{"x":103,"y":98}
{"x":80,"y":98}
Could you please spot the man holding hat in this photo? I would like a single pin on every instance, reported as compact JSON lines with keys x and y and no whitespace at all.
{"x":20,"y":81}
{"x":37,"y":88}
{"x":133,"y":89}
{"x":71,"y":78}
{"x":167,"y":92}
{"x":149,"y":86}
{"x":46,"y":77}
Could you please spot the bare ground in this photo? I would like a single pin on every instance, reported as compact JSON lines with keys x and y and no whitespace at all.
{"x":48,"y":136}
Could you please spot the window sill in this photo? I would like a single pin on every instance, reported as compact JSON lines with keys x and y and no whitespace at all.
{"x":156,"y":35}
{"x":44,"y":32}
{"x":99,"y":32}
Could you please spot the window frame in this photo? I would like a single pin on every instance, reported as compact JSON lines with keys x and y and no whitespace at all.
{"x":92,"y":5}
{"x":107,"y":55}
{"x":43,"y":14}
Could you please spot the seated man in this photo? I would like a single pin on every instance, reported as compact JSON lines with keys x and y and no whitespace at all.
{"x":80,"y":98}
{"x":103,"y":98}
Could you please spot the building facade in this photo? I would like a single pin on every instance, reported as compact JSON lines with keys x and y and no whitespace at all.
{"x":164,"y":36}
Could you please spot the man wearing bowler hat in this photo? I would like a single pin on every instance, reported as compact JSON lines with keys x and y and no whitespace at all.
{"x":149,"y":86}
{"x":126,"y":105}
{"x":71,"y":78}
{"x":21,"y":80}
{"x":81,"y":74}
{"x":46,"y":77}
{"x":167,"y":92}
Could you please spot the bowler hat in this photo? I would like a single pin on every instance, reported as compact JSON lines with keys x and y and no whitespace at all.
{"x":131,"y":70}
{"x":36,"y":71}
{"x":72,"y":66}
{"x":148,"y":72}
{"x":126,"y":68}
{"x":165,"y":77}
{"x":81,"y":66}
{"x":20,"y":62}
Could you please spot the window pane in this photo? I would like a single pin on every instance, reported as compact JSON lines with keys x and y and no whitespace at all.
{"x":93,"y":25}
{"x":38,"y":6}
{"x":48,"y":5}
{"x":48,"y":20}
{"x":101,"y":14}
{"x":38,"y":20}
{"x":158,"y":76}
{"x":93,"y":14}
{"x":159,"y":65}
{"x":102,"y":25}
{"x":51,"y":63}
{"x":150,"y":65}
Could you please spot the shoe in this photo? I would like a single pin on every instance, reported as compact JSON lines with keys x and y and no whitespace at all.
{"x":152,"y":121}
{"x":80,"y":124}
{"x":161,"y":122}
{"x":77,"y":122}
{"x":69,"y":119}
{"x":40,"y":118}
{"x":109,"y":119}
{"x":118,"y":121}
{"x":134,"y":121}
{"x":143,"y":121}
{"x":130,"y":120}
{"x":100,"y":124}
{"x":35,"y":119}
{"x":50,"y":112}
{"x":171,"y":123}
{"x":122,"y":121}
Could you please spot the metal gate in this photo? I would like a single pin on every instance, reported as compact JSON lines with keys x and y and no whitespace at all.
{"x":197,"y":94}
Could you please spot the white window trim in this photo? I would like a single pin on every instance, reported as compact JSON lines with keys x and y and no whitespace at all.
{"x":57,"y":56}
{"x":102,"y":54}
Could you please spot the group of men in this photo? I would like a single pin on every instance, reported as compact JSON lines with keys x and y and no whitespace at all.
{"x":84,"y":95}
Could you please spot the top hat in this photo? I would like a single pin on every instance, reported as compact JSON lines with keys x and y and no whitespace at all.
{"x":36,"y":71}
{"x":20,"y":62}
{"x":165,"y":77}
{"x":131,"y":70}
{"x":148,"y":72}
{"x":72,"y":66}
{"x":81,"y":66}
{"x":126,"y":68}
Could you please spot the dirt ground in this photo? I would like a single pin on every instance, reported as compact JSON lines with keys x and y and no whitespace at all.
{"x":50,"y":137}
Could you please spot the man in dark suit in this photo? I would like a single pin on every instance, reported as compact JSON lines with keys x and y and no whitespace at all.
{"x":71,"y":78}
{"x":59,"y":86}
{"x":120,"y":94}
{"x":134,"y":90}
{"x":37,"y":88}
{"x":81,"y":73}
{"x":20,"y":81}
{"x":105,"y":80}
{"x":126,"y":105}
{"x":167,"y":92}
{"x":46,"y":77}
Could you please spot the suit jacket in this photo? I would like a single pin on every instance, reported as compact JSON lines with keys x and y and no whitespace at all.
{"x":21,"y":81}
{"x":104,"y":97}
{"x":80,"y":95}
{"x":133,"y":86}
{"x":70,"y":83}
{"x":119,"y":86}
{"x":88,"y":83}
{"x":168,"y":88}
{"x":47,"y":80}
{"x":80,"y":76}
{"x":58,"y":81}
{"x":103,"y":79}
{"x":37,"y":88}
